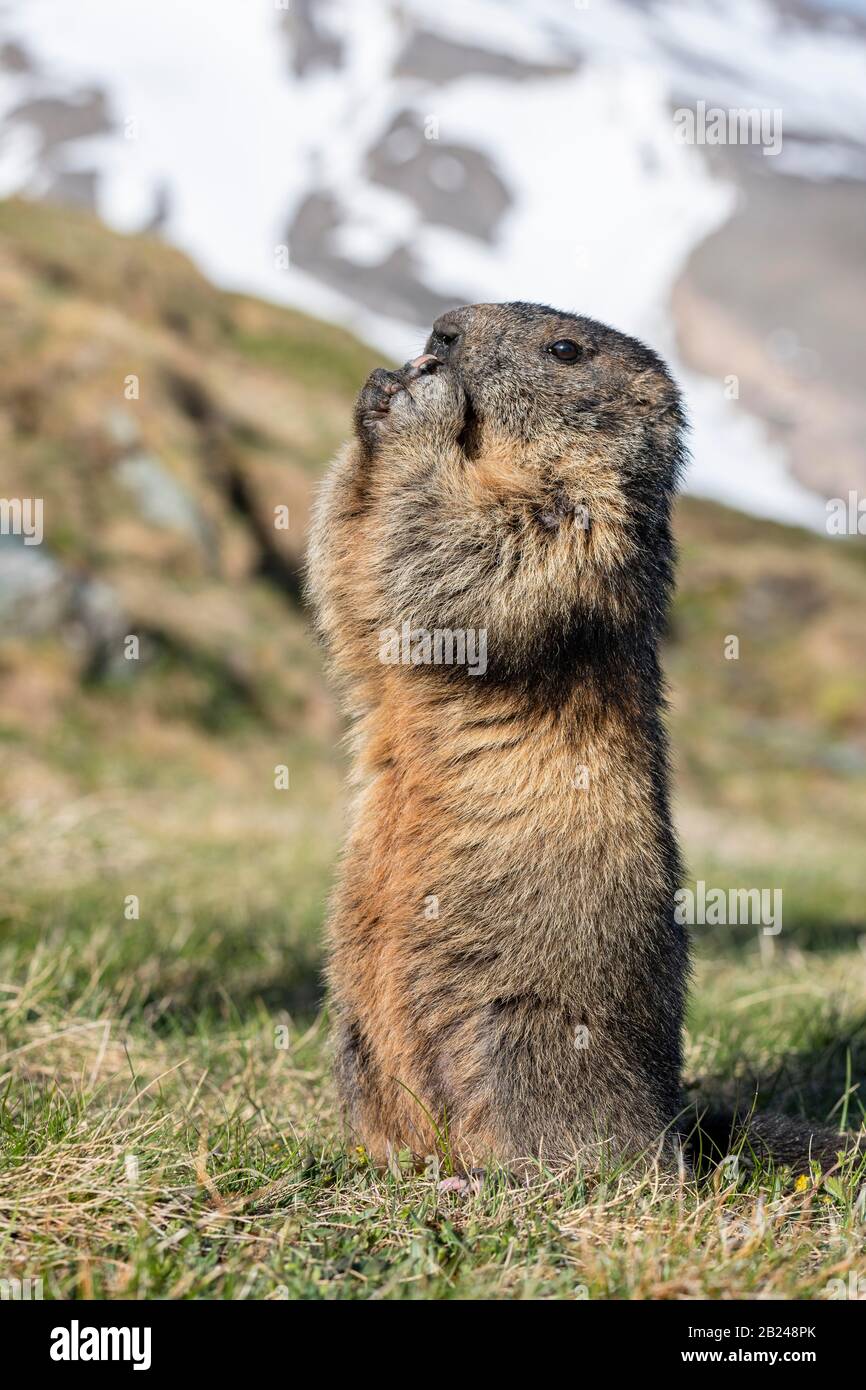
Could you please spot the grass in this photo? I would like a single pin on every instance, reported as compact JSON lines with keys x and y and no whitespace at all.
{"x":153,"y":1161}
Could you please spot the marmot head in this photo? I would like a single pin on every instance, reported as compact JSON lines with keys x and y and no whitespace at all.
{"x":556,"y":384}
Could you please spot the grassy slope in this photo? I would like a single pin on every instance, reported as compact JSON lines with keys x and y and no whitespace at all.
{"x":155,"y":1139}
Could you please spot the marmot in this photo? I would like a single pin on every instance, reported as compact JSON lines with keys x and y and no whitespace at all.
{"x":505,"y":969}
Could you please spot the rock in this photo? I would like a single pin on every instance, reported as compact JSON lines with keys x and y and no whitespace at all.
{"x":39,"y":598}
{"x":34,"y":591}
{"x":163,"y":501}
{"x":122,"y":427}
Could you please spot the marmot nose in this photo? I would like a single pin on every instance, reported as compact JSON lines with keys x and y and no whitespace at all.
{"x":448,"y":327}
{"x":447,"y":332}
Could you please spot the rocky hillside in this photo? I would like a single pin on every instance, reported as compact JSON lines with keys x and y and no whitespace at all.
{"x":167,"y":425}
{"x":174,"y":434}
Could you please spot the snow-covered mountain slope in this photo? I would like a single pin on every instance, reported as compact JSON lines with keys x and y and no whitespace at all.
{"x":378,"y":162}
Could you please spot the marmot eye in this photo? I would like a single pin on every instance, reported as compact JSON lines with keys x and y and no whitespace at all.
{"x":564,"y":350}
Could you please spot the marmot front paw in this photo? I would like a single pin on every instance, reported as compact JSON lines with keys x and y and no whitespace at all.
{"x":421,"y":394}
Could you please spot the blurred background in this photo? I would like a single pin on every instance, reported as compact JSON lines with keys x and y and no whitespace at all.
{"x":217,"y":217}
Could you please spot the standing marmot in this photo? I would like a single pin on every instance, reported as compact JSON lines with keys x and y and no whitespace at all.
{"x":491,"y":565}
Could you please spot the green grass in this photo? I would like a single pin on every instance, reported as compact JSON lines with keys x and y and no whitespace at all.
{"x":202,"y":1160}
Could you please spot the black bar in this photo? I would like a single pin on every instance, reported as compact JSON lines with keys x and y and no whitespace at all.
{"x":205,"y":1337}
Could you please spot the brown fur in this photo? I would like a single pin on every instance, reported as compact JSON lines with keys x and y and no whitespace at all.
{"x":506,"y":490}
